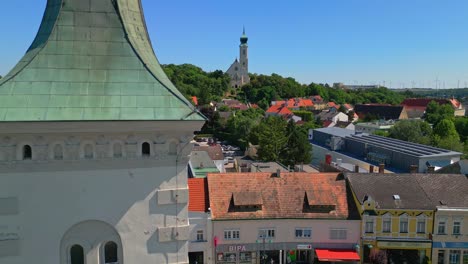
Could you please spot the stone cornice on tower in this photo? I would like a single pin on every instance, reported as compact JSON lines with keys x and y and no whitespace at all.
{"x":92,"y":61}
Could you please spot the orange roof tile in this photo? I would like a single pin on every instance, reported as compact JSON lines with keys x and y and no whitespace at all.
{"x":195,"y":100}
{"x":198,"y":195}
{"x":281,"y":197}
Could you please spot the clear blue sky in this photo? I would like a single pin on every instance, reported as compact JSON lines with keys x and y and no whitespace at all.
{"x":350,"y":41}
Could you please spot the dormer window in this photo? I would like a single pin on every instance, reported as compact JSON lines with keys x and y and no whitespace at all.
{"x":27,"y":152}
{"x":318,"y":203}
{"x":145,"y":149}
{"x":246,"y":202}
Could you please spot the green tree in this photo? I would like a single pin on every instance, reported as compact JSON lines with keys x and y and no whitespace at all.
{"x":461,"y":124}
{"x":435,"y":112}
{"x":446,"y":136}
{"x":298,"y":149}
{"x":272,"y":138}
{"x":240,"y":124}
{"x":412,"y":131}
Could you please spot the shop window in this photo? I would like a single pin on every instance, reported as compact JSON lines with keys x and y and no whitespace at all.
{"x":404,"y":223}
{"x":338,"y":234}
{"x":145,"y":149}
{"x":387,"y":223}
{"x":111,"y":252}
{"x":456,"y":227}
{"x":454,"y":257}
{"x":200,"y":235}
{"x":441,"y":227}
{"x":58,"y":152}
{"x":465,"y":257}
{"x":266,"y":233}
{"x":232,"y":234}
{"x":303,"y":232}
{"x":76,"y":255}
{"x":441,"y":257}
{"x":27,"y":152}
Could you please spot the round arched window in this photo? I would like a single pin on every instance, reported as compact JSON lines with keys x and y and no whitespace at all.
{"x":76,"y":254}
{"x":111,"y":252}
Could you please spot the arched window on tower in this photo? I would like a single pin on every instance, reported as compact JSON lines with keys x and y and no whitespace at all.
{"x":145,"y":149}
{"x":76,"y":255}
{"x":111,"y":253}
{"x":117,"y":150}
{"x":27,"y":152}
{"x":58,"y":152}
{"x":88,"y":152}
{"x":172,"y":148}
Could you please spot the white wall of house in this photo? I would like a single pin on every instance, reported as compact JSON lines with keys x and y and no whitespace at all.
{"x":48,"y":205}
{"x":201,"y":222}
{"x":285,"y":230}
{"x":340,"y":117}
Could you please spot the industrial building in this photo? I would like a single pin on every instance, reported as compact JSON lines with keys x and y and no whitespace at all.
{"x":397,"y":155}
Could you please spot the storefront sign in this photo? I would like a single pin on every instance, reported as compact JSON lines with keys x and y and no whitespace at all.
{"x":403,"y":244}
{"x":450,"y":245}
{"x":235,"y":248}
{"x":304,"y":246}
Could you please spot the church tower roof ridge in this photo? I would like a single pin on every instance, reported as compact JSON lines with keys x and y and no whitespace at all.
{"x":92,"y":61}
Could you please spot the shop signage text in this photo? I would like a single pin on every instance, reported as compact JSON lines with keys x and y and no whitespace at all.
{"x":235,"y":248}
{"x":304,"y":246}
{"x":387,"y":244}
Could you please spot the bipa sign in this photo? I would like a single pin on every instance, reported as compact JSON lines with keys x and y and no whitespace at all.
{"x":237,"y":248}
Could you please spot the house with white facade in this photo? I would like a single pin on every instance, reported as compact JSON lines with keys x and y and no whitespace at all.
{"x":94,"y":144}
{"x":283,"y":217}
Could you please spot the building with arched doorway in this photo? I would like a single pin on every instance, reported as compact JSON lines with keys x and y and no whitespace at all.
{"x":94,"y":143}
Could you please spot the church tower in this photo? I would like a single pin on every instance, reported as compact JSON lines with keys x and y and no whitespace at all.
{"x":239,"y":70}
{"x":94,"y":143}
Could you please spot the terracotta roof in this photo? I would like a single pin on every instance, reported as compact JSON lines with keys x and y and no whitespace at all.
{"x":415,"y":191}
{"x":215,"y":152}
{"x":292,"y":195}
{"x":279,"y":110}
{"x":348,"y":106}
{"x":327,"y":123}
{"x":195,"y":100}
{"x":198,"y":195}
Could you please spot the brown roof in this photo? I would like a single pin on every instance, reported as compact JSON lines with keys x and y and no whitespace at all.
{"x":215,"y":152}
{"x":198,"y":195}
{"x":286,"y":196}
{"x":416,"y":191}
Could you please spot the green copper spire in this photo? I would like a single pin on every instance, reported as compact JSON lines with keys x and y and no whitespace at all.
{"x":91,"y":61}
{"x":244,"y":37}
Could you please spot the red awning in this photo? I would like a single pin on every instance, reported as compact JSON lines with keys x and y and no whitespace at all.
{"x":337,"y":255}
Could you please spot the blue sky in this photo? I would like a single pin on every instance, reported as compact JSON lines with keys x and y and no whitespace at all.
{"x":399,"y":42}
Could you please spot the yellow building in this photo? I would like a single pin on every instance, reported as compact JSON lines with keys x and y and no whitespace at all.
{"x":397,"y":217}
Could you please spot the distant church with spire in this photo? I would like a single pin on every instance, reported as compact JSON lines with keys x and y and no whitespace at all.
{"x":239,"y":70}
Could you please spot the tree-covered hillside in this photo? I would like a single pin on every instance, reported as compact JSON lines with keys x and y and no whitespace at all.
{"x":193,"y":81}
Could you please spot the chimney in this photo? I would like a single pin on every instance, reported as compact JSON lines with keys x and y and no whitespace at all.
{"x":414,"y":169}
{"x":356,"y":168}
{"x":381,"y":168}
{"x":371,"y":168}
{"x":430,"y":169}
{"x":278,"y":173}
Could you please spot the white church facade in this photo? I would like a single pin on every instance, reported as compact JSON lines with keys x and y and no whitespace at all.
{"x":94,"y":144}
{"x":239,"y":70}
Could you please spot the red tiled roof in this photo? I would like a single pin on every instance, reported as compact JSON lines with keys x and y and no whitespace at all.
{"x":198,"y":195}
{"x":195,"y":100}
{"x":455,"y":103}
{"x":279,"y":110}
{"x":332,"y":104}
{"x":281,"y":197}
{"x":348,"y":106}
{"x":326,"y":123}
